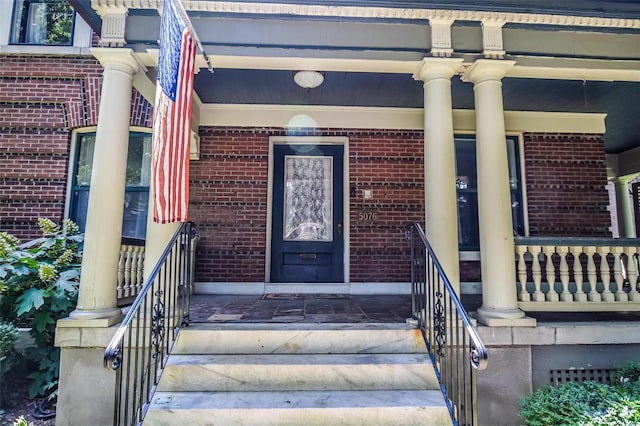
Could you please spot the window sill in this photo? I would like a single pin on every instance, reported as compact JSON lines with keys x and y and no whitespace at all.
{"x":31,"y":49}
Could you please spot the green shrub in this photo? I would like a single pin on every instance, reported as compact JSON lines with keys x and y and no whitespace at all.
{"x":39,"y":285}
{"x":588,"y":403}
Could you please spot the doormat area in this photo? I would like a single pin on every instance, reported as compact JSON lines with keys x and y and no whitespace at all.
{"x":278,"y":296}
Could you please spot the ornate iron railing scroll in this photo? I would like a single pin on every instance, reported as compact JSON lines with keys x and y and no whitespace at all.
{"x":141,"y":345}
{"x":454,"y":345}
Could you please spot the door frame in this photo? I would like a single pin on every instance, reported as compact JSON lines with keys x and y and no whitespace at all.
{"x":309,"y":140}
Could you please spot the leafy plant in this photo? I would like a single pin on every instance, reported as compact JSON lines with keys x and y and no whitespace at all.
{"x":38,"y":286}
{"x":588,"y":403}
{"x":20,"y":421}
{"x":8,"y":337}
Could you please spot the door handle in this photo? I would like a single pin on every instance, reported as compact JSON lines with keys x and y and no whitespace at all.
{"x":340,"y":230}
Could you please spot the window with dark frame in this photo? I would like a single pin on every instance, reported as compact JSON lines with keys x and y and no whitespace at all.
{"x":42,"y":22}
{"x":467,"y":191}
{"x":138,"y":175}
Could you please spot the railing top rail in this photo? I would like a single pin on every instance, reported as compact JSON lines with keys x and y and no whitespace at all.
{"x":130,"y":241}
{"x":578,"y":241}
{"x":111,"y":352}
{"x":479,"y":353}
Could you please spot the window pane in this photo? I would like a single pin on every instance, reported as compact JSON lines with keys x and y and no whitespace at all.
{"x":466,"y":176}
{"x":79,"y":205}
{"x":515,"y":186}
{"x":86,"y":144}
{"x":134,"y":220}
{"x":468,"y":233}
{"x":139,"y":160}
{"x":45,"y":22}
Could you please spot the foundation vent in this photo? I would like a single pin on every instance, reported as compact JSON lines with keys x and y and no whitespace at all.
{"x":557,"y":377}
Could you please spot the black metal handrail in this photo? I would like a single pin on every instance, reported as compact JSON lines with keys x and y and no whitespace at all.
{"x":453,"y":342}
{"x":139,"y":349}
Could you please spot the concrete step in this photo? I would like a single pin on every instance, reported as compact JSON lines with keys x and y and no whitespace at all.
{"x":298,"y":372}
{"x":307,"y":408}
{"x":248,"y":338}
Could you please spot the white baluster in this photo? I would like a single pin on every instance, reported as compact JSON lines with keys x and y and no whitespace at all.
{"x":592,"y":276}
{"x":578,"y":278}
{"x":127,"y":271}
{"x":632,"y":273}
{"x":140,"y":269}
{"x":120,"y":282}
{"x":620,"y":295}
{"x":552,"y":294}
{"x":524,"y":295}
{"x":566,"y":295}
{"x":536,"y":273}
{"x":605,"y":275}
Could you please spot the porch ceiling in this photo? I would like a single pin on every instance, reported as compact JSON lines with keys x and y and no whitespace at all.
{"x":618,"y":99}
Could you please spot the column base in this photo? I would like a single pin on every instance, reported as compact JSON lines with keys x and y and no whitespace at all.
{"x":104,"y":317}
{"x":494,"y":317}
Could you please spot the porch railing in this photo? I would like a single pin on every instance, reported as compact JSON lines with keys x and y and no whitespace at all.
{"x":454,"y":345}
{"x":130,"y":269}
{"x":578,"y":274}
{"x":141,"y":345}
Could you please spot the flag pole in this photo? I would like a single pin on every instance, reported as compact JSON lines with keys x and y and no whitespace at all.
{"x":183,"y":14}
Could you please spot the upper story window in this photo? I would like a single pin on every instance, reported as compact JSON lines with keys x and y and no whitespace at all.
{"x":467,"y":191}
{"x":42,"y":22}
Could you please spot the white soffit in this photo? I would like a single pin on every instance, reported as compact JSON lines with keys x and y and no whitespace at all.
{"x":340,"y":117}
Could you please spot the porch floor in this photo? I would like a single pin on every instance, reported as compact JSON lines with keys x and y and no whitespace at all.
{"x":303,"y":308}
{"x":339,"y":308}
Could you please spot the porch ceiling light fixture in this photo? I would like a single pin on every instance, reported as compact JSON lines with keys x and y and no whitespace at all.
{"x":308,"y":79}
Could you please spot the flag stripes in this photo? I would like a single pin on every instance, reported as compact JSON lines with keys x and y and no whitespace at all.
{"x":172,"y":119}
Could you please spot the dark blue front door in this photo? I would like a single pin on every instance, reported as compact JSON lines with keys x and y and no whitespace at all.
{"x":307,"y":242}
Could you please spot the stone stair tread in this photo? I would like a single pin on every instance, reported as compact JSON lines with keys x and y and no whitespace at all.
{"x":296,"y":399}
{"x":299,"y":338}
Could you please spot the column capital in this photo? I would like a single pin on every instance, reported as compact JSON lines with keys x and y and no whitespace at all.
{"x":487,"y":69}
{"x":432,"y":68}
{"x":121,"y":59}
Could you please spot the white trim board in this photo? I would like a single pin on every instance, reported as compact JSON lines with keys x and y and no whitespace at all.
{"x":364,"y":288}
{"x":343,"y":117}
{"x":258,"y":288}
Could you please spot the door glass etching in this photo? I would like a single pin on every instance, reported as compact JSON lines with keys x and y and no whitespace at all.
{"x":308,"y":198}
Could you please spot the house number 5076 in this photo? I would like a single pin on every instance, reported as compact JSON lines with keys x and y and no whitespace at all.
{"x":367,"y":216}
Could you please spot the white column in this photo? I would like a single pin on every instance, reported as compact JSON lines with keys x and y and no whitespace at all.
{"x":499,"y":295}
{"x":626,"y":227}
{"x":441,"y":225}
{"x":97,"y":292}
{"x":158,"y":235}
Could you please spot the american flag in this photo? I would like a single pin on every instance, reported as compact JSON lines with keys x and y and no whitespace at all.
{"x":172,"y":118}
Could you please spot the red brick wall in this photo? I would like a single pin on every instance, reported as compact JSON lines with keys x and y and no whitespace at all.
{"x":229,"y":201}
{"x":391,"y":165}
{"x":42,"y":100}
{"x":229,"y":193}
{"x":566,"y":185}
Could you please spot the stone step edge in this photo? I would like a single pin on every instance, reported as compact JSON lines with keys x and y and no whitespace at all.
{"x":256,"y":400}
{"x":298,"y":359}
